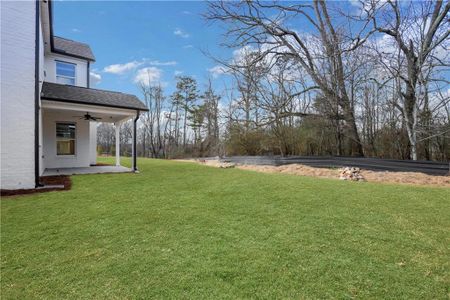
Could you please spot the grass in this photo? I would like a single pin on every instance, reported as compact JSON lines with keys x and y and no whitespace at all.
{"x":180,"y":230}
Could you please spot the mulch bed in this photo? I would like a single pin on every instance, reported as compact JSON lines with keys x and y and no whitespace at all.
{"x":45,"y":180}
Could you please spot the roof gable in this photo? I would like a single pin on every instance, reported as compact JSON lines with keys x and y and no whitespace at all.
{"x":72,"y":48}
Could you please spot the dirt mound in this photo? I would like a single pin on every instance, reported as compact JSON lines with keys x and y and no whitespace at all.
{"x":413,"y":178}
{"x":370,"y":176}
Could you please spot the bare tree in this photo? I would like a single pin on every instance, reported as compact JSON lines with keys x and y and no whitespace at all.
{"x":417,"y":30}
{"x":105,"y":138}
{"x":152,"y":120}
{"x":322,"y":55}
{"x":210,"y":109}
{"x":126,"y":137}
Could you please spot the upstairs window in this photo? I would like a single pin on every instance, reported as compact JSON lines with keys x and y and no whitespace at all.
{"x":65,"y":73}
{"x":65,"y":138}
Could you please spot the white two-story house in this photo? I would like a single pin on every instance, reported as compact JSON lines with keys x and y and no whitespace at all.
{"x":49,"y":112}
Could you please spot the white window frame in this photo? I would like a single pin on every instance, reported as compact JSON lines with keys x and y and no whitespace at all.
{"x":65,"y":139}
{"x":63,"y":76}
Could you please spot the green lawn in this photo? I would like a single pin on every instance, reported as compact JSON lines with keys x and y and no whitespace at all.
{"x":181,"y":230}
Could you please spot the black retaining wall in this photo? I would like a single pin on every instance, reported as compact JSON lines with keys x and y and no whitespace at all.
{"x":375,"y":164}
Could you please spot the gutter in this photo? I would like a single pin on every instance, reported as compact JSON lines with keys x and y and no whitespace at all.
{"x":93,"y":104}
{"x":50,"y":20}
{"x":134,"y":141}
{"x":87,"y":75}
{"x":36,"y":98}
{"x":62,"y":52}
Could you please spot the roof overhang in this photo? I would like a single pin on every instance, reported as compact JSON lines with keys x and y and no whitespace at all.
{"x":59,"y":100}
{"x":87,"y":96}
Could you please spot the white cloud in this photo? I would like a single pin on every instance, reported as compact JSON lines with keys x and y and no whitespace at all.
{"x":177,"y":72}
{"x":188,"y":47}
{"x":148,"y":75}
{"x":361,"y":6}
{"x":122,"y":68}
{"x":95,"y":78}
{"x":76,"y":30}
{"x":162,"y":63}
{"x":129,"y":66}
{"x":181,"y":33}
{"x":186,"y":12}
{"x":216,"y":71}
{"x":240,"y":55}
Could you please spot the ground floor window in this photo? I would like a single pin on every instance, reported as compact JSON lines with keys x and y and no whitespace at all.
{"x":65,"y":138}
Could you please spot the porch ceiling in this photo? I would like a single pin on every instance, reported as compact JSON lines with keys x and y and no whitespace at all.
{"x":105,"y":114}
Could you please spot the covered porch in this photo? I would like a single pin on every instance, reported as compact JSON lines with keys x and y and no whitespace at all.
{"x":69,"y":119}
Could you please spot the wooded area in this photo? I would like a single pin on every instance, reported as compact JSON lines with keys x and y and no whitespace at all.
{"x":310,"y":78}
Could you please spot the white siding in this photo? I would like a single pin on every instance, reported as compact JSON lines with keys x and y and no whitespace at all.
{"x":82,"y":149}
{"x":17,"y":94}
{"x":93,"y":143}
{"x":80,"y":70}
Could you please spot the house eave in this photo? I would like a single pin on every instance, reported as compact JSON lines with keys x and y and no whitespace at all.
{"x":56,"y":51}
{"x":92,"y":104}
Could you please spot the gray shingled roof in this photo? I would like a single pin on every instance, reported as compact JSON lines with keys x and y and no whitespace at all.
{"x":73,"y":48}
{"x":82,"y":95}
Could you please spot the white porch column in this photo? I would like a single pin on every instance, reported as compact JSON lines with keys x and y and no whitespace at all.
{"x":117,"y":144}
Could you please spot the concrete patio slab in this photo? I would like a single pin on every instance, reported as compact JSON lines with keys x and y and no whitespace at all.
{"x":86,"y":170}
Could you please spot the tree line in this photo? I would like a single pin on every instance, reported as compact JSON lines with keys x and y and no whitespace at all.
{"x":369,"y":80}
{"x":184,"y":124}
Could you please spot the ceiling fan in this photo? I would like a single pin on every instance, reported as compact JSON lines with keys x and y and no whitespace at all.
{"x":87,"y":117}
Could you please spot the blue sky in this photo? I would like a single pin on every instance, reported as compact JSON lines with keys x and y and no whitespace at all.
{"x":167,"y":38}
{"x":157,"y":38}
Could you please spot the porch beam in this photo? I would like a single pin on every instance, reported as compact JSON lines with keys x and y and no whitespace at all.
{"x":119,"y":112}
{"x":117,"y":143}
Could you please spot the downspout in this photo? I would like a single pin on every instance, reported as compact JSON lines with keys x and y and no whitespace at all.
{"x":134,"y":141}
{"x":88,"y":74}
{"x":36,"y":98}
{"x":50,"y":17}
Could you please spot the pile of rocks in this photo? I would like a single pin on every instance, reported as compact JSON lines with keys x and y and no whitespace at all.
{"x":226,"y":165}
{"x":351,"y":173}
